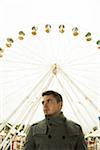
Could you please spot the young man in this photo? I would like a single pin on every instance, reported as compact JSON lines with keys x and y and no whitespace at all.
{"x":55,"y":132}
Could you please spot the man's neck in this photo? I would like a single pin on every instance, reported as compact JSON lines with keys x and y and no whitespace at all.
{"x":54,"y":115}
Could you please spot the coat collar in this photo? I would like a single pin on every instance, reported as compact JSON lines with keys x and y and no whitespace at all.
{"x":59,"y":118}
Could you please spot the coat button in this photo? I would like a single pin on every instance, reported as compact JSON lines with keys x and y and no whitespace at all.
{"x":50,"y":124}
{"x":49,"y":136}
{"x":63,"y":137}
{"x":64,"y":119}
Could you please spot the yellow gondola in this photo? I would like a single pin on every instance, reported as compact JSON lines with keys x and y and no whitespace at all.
{"x":34,"y":30}
{"x":1,"y":52}
{"x":21,"y":35}
{"x":88,"y":36}
{"x":47,"y":28}
{"x":98,"y":44}
{"x":61,"y":28}
{"x":9,"y":42}
{"x":75,"y":31}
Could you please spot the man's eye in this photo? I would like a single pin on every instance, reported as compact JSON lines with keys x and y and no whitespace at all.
{"x":42,"y":102}
{"x":49,"y":100}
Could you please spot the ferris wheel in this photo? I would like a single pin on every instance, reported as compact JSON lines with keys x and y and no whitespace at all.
{"x":60,"y":57}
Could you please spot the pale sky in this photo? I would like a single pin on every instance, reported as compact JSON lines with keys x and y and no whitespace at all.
{"x":15,"y":14}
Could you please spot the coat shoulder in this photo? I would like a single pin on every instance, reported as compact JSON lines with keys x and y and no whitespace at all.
{"x":39,"y":127}
{"x":39,"y":123}
{"x":74,"y":127}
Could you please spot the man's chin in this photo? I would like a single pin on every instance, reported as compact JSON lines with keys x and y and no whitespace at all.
{"x":48,"y":114}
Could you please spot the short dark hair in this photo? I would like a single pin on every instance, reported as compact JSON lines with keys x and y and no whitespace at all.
{"x":55,"y":94}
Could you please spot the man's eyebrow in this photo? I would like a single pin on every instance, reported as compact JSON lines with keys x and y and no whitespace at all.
{"x":46,"y":100}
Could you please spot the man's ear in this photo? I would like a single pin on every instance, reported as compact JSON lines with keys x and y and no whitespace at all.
{"x":61,"y":104}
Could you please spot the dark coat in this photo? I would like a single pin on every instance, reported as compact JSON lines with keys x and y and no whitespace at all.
{"x":55,"y":133}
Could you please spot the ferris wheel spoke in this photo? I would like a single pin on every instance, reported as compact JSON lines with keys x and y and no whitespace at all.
{"x":22,"y":118}
{"x":23,"y":101}
{"x":75,"y":109}
{"x":78,"y":59}
{"x":86,"y":83}
{"x":80,"y":101}
{"x":82,"y":92}
{"x":32,"y":54}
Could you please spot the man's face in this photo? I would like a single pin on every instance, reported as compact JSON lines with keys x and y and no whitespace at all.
{"x":50,"y":105}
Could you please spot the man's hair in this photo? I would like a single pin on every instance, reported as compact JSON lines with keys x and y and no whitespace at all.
{"x":55,"y":94}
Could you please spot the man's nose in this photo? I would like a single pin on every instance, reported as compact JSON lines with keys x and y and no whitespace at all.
{"x":45,"y":104}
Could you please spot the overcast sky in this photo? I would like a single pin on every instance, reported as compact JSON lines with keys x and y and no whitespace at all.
{"x":15,"y":14}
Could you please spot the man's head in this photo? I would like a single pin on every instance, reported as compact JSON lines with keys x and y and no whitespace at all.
{"x":52,"y":102}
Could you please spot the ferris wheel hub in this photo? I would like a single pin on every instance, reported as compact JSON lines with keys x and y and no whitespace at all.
{"x":54,"y":69}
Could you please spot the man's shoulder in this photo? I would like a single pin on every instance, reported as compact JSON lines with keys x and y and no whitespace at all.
{"x":73,"y":124}
{"x":73,"y":127}
{"x":39,"y":127}
{"x":38,"y":123}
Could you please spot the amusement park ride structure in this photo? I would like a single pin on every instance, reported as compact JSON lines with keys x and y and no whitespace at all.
{"x":58,"y":57}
